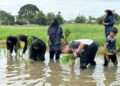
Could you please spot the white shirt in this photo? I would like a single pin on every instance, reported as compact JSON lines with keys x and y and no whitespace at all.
{"x":85,"y":41}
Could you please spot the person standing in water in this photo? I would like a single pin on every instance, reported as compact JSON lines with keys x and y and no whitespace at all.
{"x":110,"y":47}
{"x":54,"y":39}
{"x":108,"y":22}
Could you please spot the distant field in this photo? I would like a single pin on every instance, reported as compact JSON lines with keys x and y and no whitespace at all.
{"x":78,"y":31}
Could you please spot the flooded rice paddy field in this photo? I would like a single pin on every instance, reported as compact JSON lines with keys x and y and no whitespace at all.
{"x":15,"y":71}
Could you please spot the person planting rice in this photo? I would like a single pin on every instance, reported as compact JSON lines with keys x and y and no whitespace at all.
{"x":110,"y":48}
{"x":108,"y":22}
{"x":12,"y":43}
{"x":86,"y":49}
{"x":26,"y":41}
{"x":54,"y":38}
{"x":37,"y":50}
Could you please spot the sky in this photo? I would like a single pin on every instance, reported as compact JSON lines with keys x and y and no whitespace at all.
{"x":69,"y":8}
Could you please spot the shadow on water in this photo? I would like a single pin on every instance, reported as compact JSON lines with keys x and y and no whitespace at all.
{"x":15,"y":72}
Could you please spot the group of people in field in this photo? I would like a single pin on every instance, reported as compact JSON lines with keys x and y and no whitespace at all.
{"x":85,"y":49}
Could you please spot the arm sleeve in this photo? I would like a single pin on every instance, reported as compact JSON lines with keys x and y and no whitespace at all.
{"x":60,"y":32}
{"x":48,"y":32}
{"x":107,"y":41}
{"x":74,"y":44}
{"x":71,"y":44}
{"x":9,"y":47}
{"x":31,"y":55}
{"x":25,"y":47}
{"x":111,"y":21}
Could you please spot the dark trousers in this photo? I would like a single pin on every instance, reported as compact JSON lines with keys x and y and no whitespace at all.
{"x":53,"y":53}
{"x":88,"y":55}
{"x":113,"y":58}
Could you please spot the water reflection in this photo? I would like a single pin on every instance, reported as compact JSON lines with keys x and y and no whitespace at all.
{"x":15,"y":72}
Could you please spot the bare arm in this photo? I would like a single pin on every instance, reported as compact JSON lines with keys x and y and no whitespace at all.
{"x":79,"y":49}
{"x":105,"y":46}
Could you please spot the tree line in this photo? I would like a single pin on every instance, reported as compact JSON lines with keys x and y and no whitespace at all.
{"x":30,"y":14}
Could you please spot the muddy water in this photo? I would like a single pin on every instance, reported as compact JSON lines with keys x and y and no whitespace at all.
{"x":15,"y":71}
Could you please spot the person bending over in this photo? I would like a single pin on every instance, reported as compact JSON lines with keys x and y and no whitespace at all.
{"x":86,"y":49}
{"x":37,"y":50}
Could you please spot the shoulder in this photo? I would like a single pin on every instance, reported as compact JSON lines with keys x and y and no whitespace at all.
{"x":71,"y":43}
{"x":110,"y":17}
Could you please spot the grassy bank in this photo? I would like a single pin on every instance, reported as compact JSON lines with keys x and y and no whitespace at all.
{"x":78,"y":31}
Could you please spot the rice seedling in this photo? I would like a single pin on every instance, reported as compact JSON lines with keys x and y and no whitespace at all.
{"x":67,"y":58}
{"x":30,"y":40}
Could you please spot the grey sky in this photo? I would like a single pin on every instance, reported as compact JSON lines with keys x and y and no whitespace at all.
{"x":69,"y":8}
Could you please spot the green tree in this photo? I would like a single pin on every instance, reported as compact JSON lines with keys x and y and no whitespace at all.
{"x":80,"y":19}
{"x":91,"y":20}
{"x":40,"y":18}
{"x":100,"y":19}
{"x":28,"y":12}
{"x":50,"y":16}
{"x":60,"y":18}
{"x":6,"y":18}
{"x":67,"y":32}
{"x":116,"y":17}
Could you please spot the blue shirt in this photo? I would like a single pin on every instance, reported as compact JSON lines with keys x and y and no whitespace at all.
{"x":110,"y":21}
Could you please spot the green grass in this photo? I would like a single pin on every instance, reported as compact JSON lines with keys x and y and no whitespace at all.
{"x":78,"y":31}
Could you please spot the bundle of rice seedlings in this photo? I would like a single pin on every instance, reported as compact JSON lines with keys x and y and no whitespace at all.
{"x":67,"y":58}
{"x":67,"y":32}
{"x":107,"y":53}
{"x":17,"y":46}
{"x":66,"y":35}
{"x":30,"y":40}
